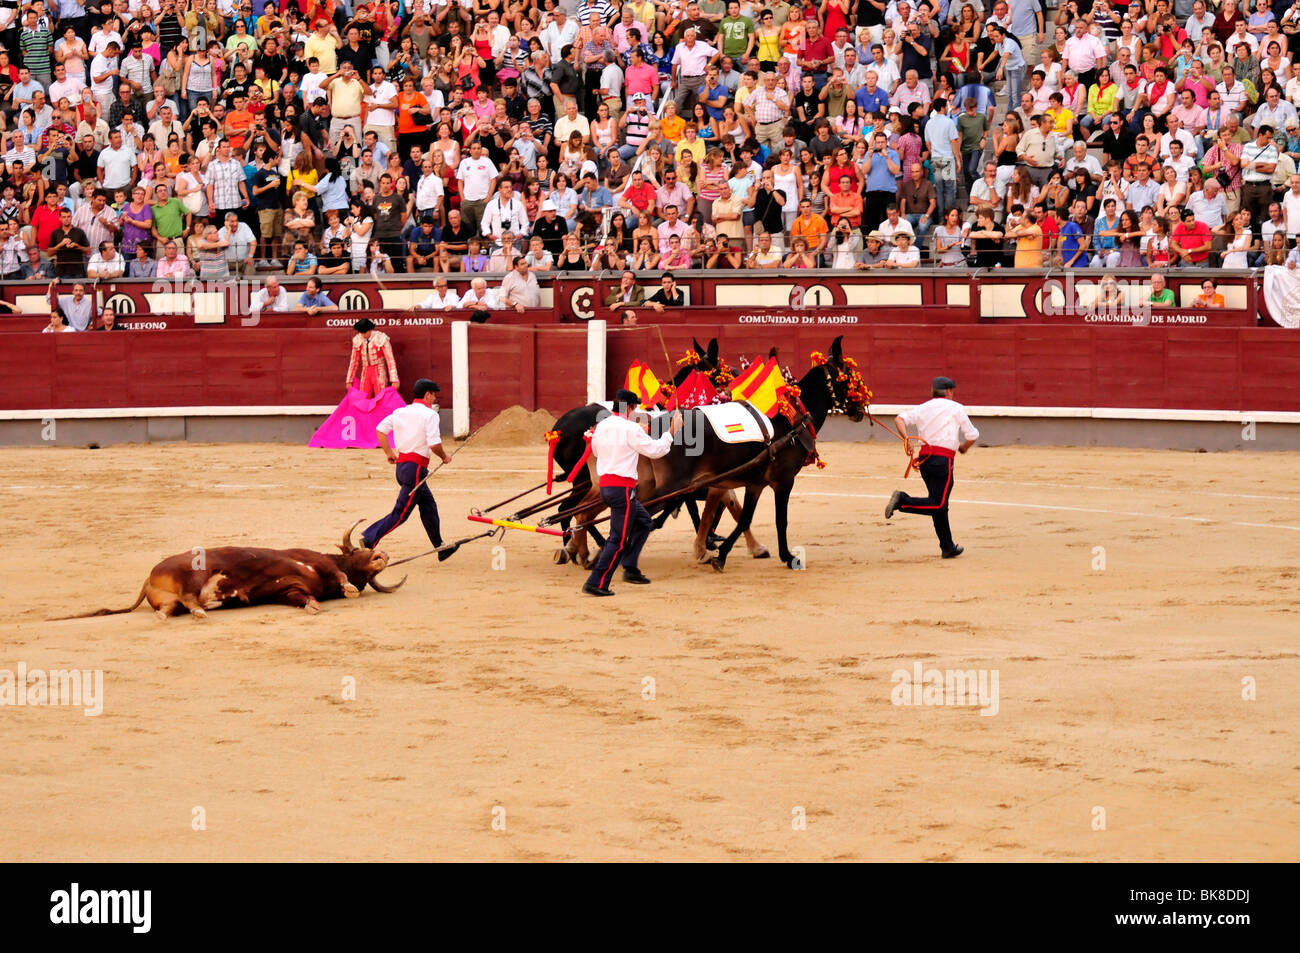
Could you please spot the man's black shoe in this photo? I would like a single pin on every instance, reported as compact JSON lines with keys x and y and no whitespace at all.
{"x":632,"y":574}
{"x":448,"y":552}
{"x":893,"y":504}
{"x":591,"y":590}
{"x":953,"y":553}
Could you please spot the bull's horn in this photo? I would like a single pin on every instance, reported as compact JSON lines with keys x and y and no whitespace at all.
{"x":347,"y":546}
{"x":380,"y":587}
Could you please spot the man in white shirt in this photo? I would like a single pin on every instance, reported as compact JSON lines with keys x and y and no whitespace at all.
{"x":65,"y":86}
{"x":1231,"y":91}
{"x":106,"y":263}
{"x":570,"y":122}
{"x":505,"y":213}
{"x":1291,"y":208}
{"x":270,"y":298}
{"x":480,"y":299}
{"x":442,"y":298}
{"x":476,"y":174}
{"x":1209,"y":204}
{"x":559,"y":33}
{"x":944,"y":430}
{"x":116,"y":163}
{"x":1079,"y":159}
{"x":239,"y":253}
{"x":103,"y":76}
{"x":410,"y":437}
{"x":381,"y":103}
{"x":1275,"y":111}
{"x":618,"y":444}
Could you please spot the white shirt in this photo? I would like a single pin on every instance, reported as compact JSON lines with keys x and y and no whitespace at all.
{"x":439,"y":302}
{"x":498,"y":218}
{"x":413,"y":429}
{"x":383,"y":93}
{"x":428,"y":191}
{"x":1291,"y":212}
{"x":69,"y":88}
{"x":555,"y":38}
{"x":489,"y":298}
{"x":100,"y":65}
{"x":941,"y":422}
{"x":262,"y":301}
{"x":310,"y":86}
{"x":619,"y":443}
{"x":476,"y":177}
{"x":99,"y":266}
{"x":117,"y":165}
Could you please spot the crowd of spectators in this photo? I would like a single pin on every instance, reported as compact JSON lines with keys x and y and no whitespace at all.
{"x":507,"y":138}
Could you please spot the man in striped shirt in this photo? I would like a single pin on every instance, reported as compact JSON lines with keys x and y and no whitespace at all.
{"x":38,"y":49}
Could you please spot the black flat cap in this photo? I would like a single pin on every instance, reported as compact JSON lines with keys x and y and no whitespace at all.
{"x":424,"y":386}
{"x":944,"y":383}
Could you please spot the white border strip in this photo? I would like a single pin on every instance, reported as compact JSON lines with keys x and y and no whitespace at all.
{"x":1117,"y":413}
{"x":880,"y":410}
{"x":112,"y":413}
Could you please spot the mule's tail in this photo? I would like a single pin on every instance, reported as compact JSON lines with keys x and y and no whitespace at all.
{"x":99,"y":612}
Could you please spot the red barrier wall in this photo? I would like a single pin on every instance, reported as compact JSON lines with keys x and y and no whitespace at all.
{"x":1020,"y":365}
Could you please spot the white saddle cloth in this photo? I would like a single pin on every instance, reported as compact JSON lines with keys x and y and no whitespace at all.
{"x":735,"y":423}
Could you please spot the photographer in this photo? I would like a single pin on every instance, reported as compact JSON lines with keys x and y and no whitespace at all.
{"x":845,"y":245}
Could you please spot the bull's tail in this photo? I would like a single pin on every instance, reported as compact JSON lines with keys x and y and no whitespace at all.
{"x":99,"y":612}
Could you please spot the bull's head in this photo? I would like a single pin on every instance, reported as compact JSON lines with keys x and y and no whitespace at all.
{"x":365,"y":563}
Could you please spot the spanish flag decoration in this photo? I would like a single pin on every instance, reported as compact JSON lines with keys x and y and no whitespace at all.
{"x":642,"y":381}
{"x":760,"y":385}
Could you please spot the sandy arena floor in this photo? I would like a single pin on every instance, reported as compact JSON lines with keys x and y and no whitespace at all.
{"x":478,"y":688}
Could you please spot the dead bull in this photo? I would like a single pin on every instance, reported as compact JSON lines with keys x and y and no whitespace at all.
{"x":246,"y":575}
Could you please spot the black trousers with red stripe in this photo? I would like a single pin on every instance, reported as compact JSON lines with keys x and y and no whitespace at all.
{"x":409,"y":473}
{"x":629,"y":528}
{"x":937,"y":472}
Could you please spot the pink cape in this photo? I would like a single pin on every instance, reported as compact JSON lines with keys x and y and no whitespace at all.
{"x":354,"y":421}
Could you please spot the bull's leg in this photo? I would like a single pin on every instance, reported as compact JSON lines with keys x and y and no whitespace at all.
{"x":349,"y":590}
{"x":719,"y":562}
{"x":192,"y":603}
{"x":756,"y":549}
{"x":298,"y":596}
{"x":782,"y":521}
{"x":163,"y":601}
{"x":212,"y":595}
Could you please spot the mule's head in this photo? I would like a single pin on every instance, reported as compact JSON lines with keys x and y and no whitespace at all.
{"x":849,"y":392}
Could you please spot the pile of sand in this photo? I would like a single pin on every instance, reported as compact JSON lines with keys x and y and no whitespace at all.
{"x":515,"y":427}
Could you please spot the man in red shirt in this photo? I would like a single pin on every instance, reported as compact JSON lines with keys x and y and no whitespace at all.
{"x":46,"y":219}
{"x":238,"y":121}
{"x":1189,"y":245}
{"x":818,"y":55}
{"x":640,"y":195}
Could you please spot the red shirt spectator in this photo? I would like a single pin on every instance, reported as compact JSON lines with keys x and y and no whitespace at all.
{"x":640,"y":197}
{"x":1190,"y":234}
{"x":45,"y":220}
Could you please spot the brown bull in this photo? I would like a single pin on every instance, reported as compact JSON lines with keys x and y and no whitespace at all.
{"x":246,"y":575}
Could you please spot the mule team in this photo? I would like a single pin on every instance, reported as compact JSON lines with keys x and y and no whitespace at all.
{"x":629,"y":467}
